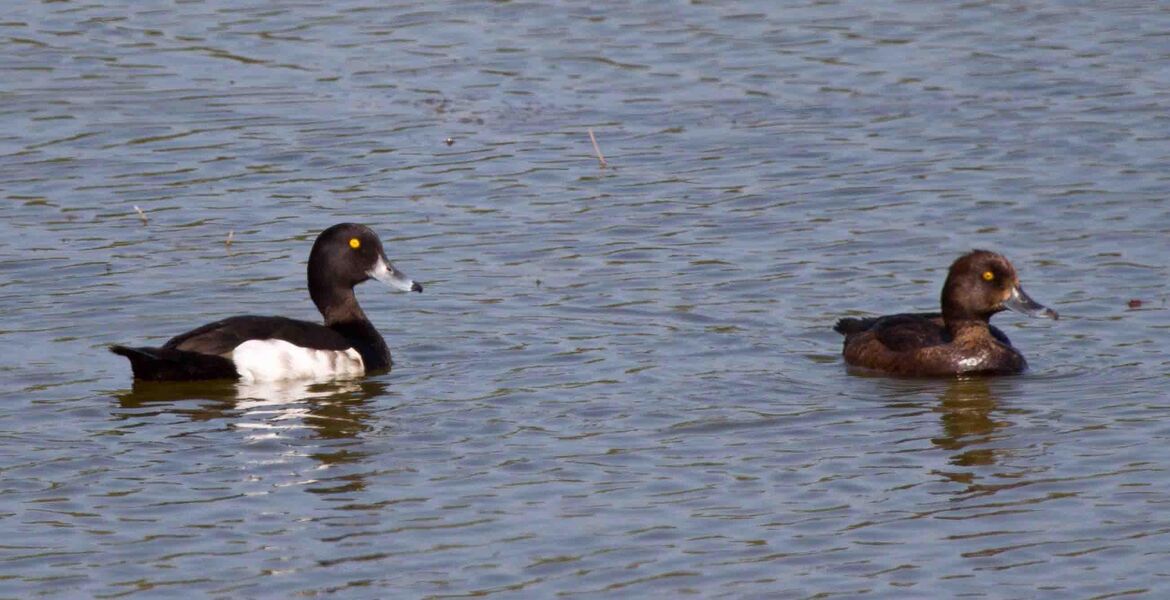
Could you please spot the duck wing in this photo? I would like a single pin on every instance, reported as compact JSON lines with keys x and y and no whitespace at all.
{"x":222,"y":337}
{"x":908,"y":331}
{"x":901,"y":329}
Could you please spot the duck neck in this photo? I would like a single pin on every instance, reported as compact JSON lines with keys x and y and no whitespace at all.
{"x":337,"y":305}
{"x":961,"y":320}
{"x":342,"y":314}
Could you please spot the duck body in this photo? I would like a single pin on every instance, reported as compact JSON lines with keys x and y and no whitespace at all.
{"x":261,"y":348}
{"x":957,"y":341}
{"x":255,"y":348}
{"x":918,"y":344}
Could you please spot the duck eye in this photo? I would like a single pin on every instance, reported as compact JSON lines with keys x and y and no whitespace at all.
{"x":355,"y":243}
{"x":988,"y":276}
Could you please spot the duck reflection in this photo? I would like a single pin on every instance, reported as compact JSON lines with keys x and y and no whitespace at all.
{"x":972,"y":420}
{"x":332,"y":410}
{"x":335,"y":412}
{"x":967,"y":410}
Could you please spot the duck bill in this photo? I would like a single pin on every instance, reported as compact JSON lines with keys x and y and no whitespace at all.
{"x":1023,"y":303}
{"x":387,"y":273}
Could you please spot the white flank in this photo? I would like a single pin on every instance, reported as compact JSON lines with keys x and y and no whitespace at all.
{"x":274,"y":360}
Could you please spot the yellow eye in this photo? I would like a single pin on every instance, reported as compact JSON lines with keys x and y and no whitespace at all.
{"x":355,"y":243}
{"x":988,"y":276}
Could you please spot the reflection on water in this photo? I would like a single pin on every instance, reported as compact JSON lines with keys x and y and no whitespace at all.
{"x":273,"y":412}
{"x":966,"y":412}
{"x":331,"y":409}
{"x":196,"y":400}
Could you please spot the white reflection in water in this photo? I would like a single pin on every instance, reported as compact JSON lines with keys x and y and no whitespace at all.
{"x":282,"y":405}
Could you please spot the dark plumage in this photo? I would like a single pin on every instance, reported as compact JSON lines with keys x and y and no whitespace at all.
{"x":253,"y":347}
{"x":960,"y":339}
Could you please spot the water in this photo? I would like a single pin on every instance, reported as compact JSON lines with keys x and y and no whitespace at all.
{"x":621,"y":381}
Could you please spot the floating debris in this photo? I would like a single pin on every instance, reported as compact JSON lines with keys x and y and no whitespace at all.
{"x":600,"y":157}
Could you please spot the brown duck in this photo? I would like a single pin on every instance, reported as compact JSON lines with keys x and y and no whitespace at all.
{"x":958,"y":341}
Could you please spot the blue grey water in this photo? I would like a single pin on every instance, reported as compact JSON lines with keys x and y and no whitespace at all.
{"x":619,"y":382}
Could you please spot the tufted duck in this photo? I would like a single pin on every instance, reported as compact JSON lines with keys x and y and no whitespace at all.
{"x":254,"y":348}
{"x":958,"y":341}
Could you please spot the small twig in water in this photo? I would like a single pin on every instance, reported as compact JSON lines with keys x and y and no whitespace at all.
{"x":597,"y":149}
{"x":141,"y":215}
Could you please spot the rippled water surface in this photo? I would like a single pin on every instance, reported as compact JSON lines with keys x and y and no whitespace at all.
{"x":620,"y":381}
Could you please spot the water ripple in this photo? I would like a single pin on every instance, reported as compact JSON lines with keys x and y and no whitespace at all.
{"x":620,"y":381}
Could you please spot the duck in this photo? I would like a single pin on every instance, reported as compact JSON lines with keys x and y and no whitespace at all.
{"x":960,"y":340}
{"x":253,"y":348}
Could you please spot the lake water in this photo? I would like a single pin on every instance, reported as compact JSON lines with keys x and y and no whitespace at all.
{"x":620,"y":381}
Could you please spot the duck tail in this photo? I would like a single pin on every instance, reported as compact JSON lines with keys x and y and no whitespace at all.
{"x":168,"y":364}
{"x":850,"y":325}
